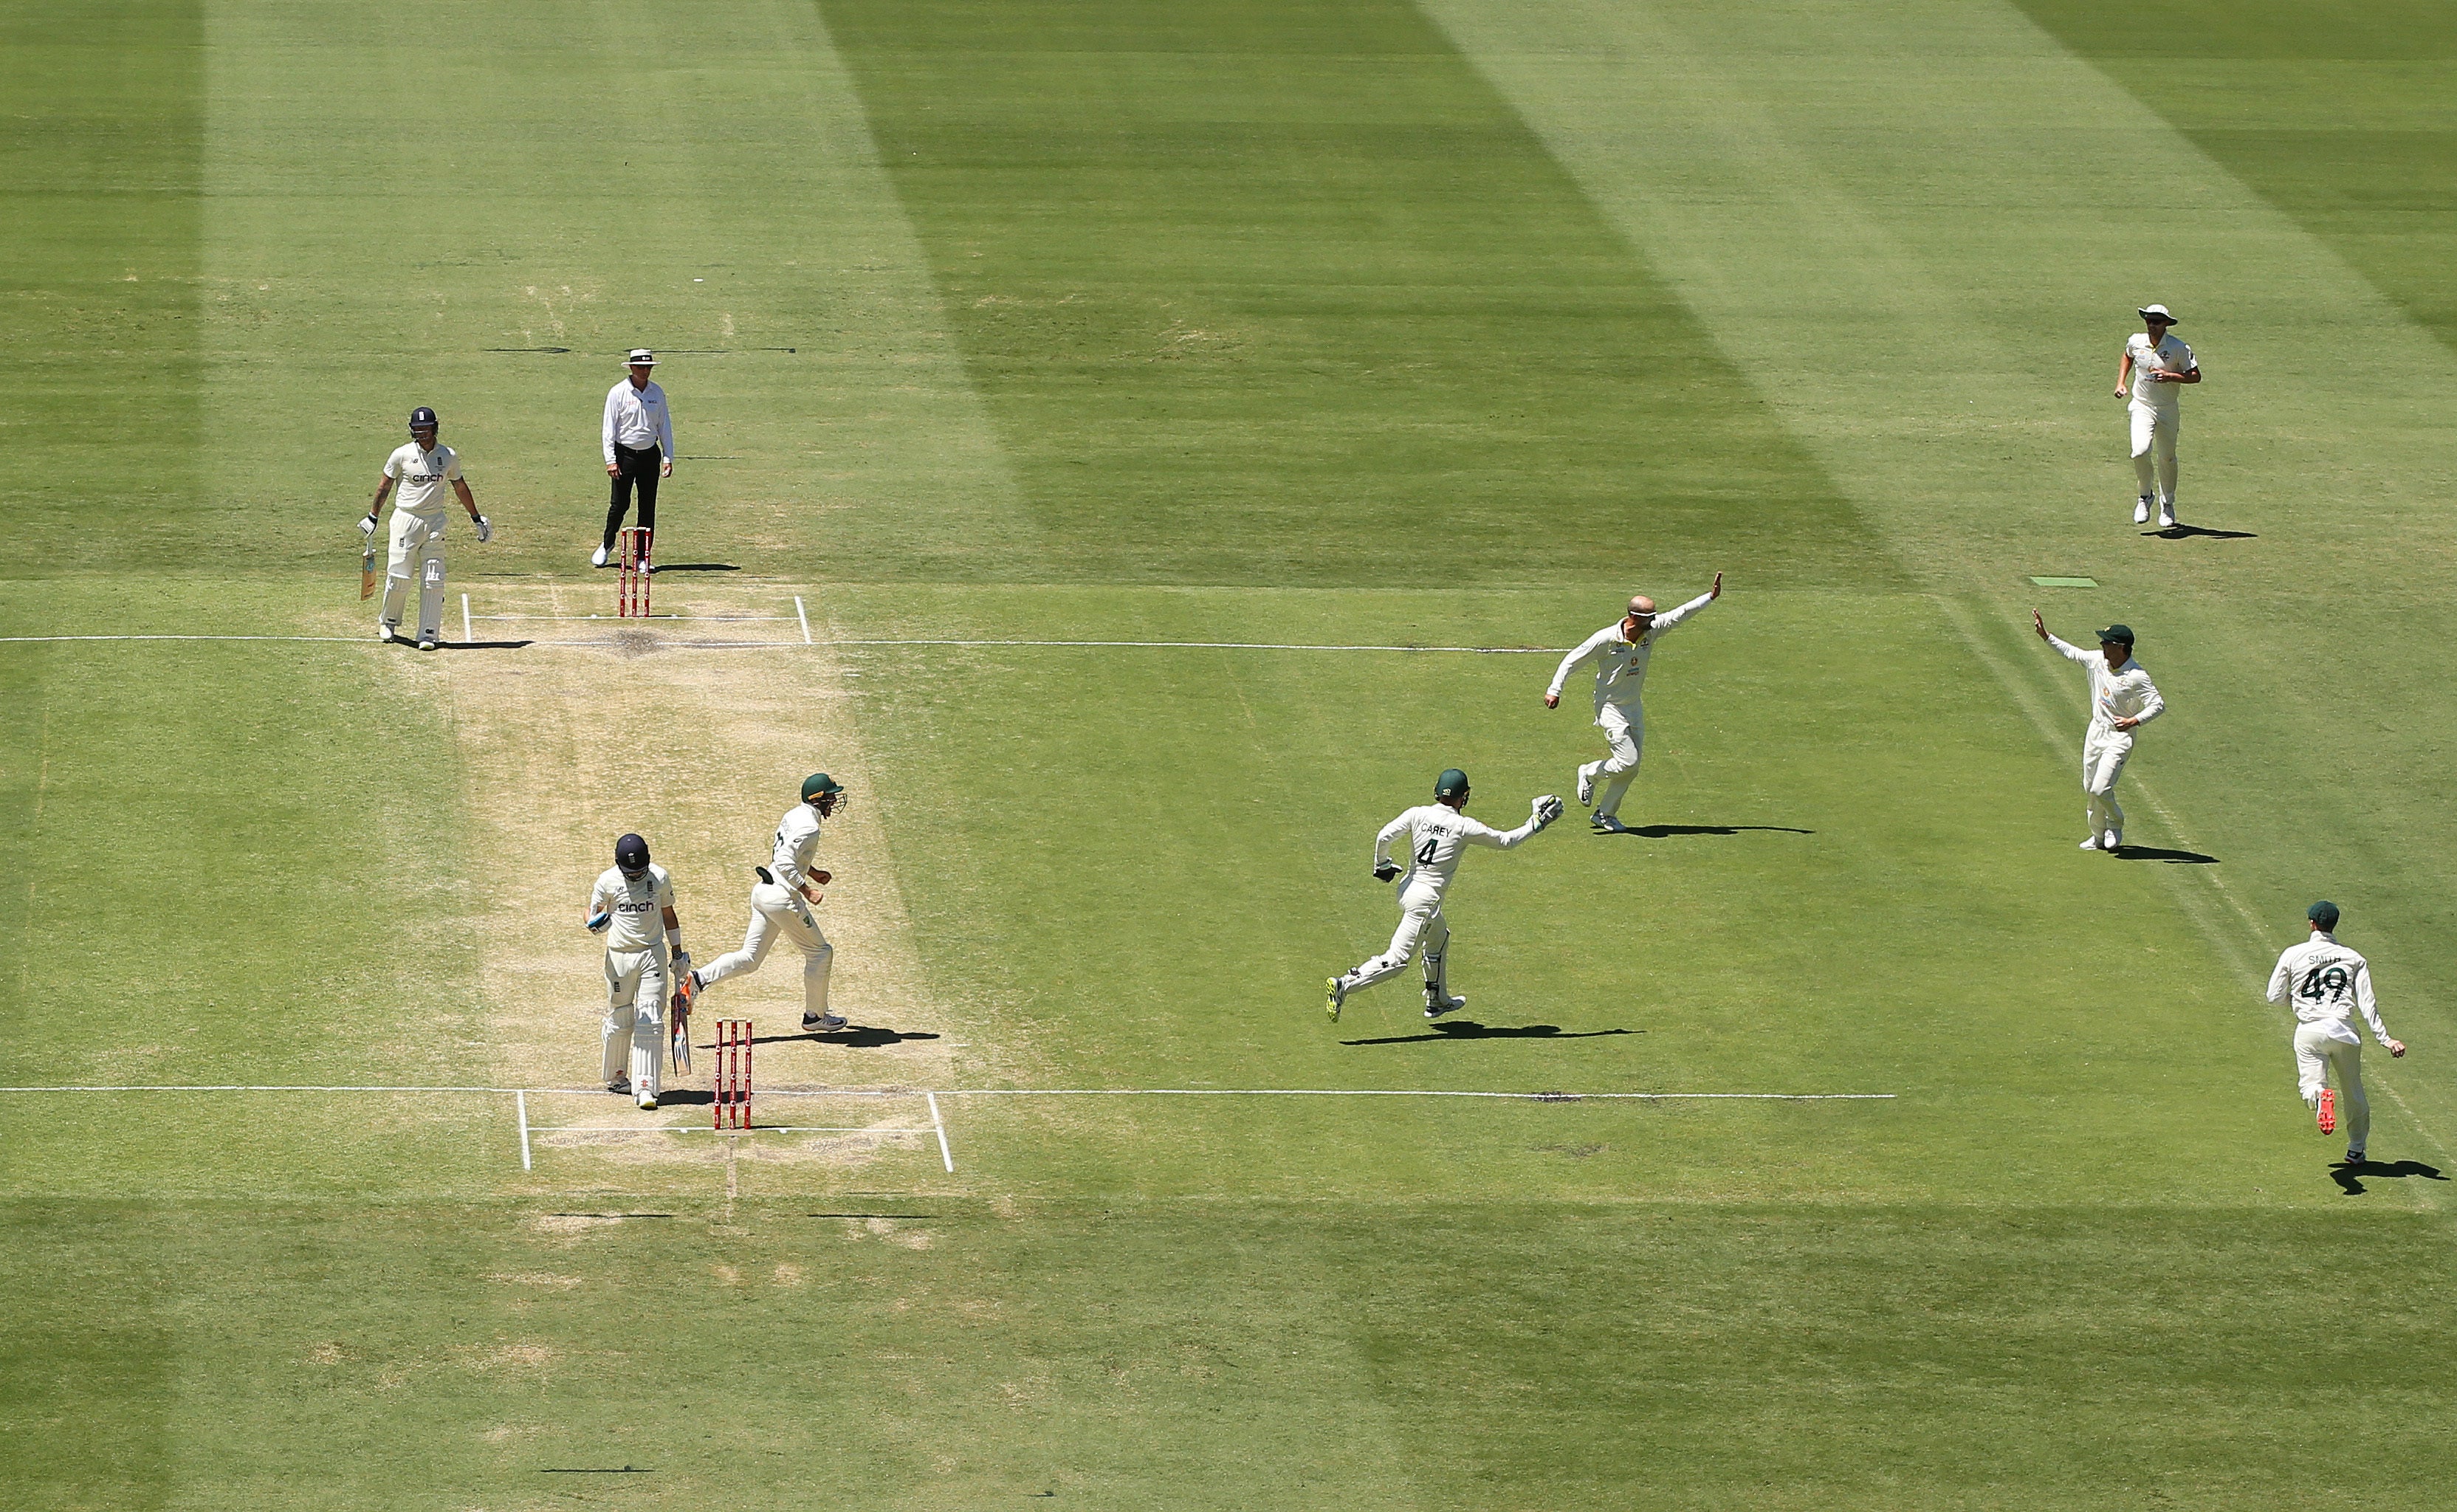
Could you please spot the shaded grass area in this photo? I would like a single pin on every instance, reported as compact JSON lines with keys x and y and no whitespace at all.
{"x":1222,"y":1354}
{"x":2341,"y":114}
{"x":1282,"y":292}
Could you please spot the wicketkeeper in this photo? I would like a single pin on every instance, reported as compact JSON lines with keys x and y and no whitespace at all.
{"x":422,"y":467}
{"x":632,"y":899}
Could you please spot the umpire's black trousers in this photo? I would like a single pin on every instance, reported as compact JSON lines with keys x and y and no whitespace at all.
{"x":633,"y":468}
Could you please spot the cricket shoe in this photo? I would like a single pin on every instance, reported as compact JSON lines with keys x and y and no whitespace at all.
{"x":1586,"y":786}
{"x":648,"y":1102}
{"x":597,"y":558}
{"x":823,"y":1023}
{"x":1608,"y":824}
{"x":2090,"y":844}
{"x":2167,"y":517}
{"x":2328,"y":1114}
{"x":2112,"y":841}
{"x":1334,"y":992}
{"x":383,"y":633}
{"x":2354,"y":1158}
{"x":425,"y":640}
{"x":620,"y":1087}
{"x":1435,"y":1007}
{"x":2140,"y":515}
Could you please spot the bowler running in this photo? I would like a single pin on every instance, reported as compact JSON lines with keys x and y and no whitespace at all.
{"x":1439,"y":833}
{"x":2327,"y":985}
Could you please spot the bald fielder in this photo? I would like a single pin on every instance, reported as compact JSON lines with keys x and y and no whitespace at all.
{"x":1439,"y":833}
{"x":1620,"y":654}
{"x":2122,"y":699}
{"x":422,"y":467}
{"x":2151,"y":375}
{"x":2327,"y":985}
{"x":781,"y":906}
{"x":633,"y":906}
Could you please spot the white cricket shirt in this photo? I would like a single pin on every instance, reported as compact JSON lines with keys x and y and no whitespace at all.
{"x":422,"y":474}
{"x":638,"y":906}
{"x":637,"y":417}
{"x":2326,"y":984}
{"x":2124,"y":694}
{"x":1620,"y":664}
{"x":2170,"y":356}
{"x":1437,"y":834}
{"x":797,"y":840}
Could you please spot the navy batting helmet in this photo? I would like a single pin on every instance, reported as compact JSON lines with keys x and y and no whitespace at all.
{"x":422,"y":418}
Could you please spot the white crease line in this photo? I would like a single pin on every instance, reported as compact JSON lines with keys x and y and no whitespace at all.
{"x":940,"y":1125}
{"x":695,"y":1128}
{"x":521,"y":1103}
{"x":695,"y":619}
{"x":801,"y":614}
{"x":752,"y":645}
{"x":466,"y":633}
{"x":28,"y":640}
{"x":1341,"y":1091}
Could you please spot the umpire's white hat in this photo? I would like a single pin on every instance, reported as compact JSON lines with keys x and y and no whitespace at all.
{"x":641,"y":357}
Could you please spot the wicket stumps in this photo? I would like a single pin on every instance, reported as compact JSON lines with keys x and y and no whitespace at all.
{"x":631,"y":592}
{"x":733,"y":1100}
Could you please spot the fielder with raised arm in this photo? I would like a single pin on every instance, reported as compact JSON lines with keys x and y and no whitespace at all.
{"x":422,"y":467}
{"x":1621,"y":652}
{"x":781,"y":906}
{"x":633,"y":906}
{"x":1439,"y":833}
{"x":2122,"y":699}
{"x":2327,"y":985}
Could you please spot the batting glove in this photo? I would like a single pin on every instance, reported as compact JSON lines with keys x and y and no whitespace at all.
{"x":1548,"y":808}
{"x":682,"y":964}
{"x":367,"y":526}
{"x":597,"y":922}
{"x":1385,"y":871}
{"x":485,"y":529}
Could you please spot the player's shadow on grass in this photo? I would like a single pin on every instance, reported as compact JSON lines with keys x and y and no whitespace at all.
{"x":661,"y":569}
{"x":2152,"y":853}
{"x":684,"y":1097}
{"x":482,"y":645}
{"x":1470,"y":1029}
{"x":1665,"y":832}
{"x":2348,"y":1176}
{"x":2179,"y":533}
{"x":853,"y":1037}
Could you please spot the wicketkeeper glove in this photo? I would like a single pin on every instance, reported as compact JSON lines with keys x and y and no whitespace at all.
{"x":485,"y":529}
{"x":367,"y":526}
{"x":1548,"y":808}
{"x":1384,"y":871}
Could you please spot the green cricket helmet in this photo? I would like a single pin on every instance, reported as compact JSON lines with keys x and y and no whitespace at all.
{"x":823,"y":792}
{"x":1450,"y":784}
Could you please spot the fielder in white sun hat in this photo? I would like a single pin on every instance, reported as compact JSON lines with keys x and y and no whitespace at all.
{"x":2148,"y":312}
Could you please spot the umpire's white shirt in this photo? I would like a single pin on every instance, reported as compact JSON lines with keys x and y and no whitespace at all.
{"x":1620,"y":664}
{"x":2167,"y":355}
{"x":637,"y":417}
{"x":1439,"y":835}
{"x":2327,"y":985}
{"x":422,"y":474}
{"x":639,"y":908}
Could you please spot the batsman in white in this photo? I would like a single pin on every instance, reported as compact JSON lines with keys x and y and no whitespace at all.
{"x":781,"y":906}
{"x":1621,"y":652}
{"x":635,"y":900}
{"x":2122,"y":699}
{"x":1438,"y":834}
{"x":2327,"y":985}
{"x":422,"y":467}
{"x":2149,"y":375}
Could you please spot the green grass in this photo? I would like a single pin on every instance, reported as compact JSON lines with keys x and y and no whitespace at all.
{"x":1275,"y":324}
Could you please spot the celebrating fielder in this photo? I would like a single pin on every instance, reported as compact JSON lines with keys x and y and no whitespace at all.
{"x":641,"y":959}
{"x":1438,"y":834}
{"x":1621,"y":652}
{"x":2327,"y":985}
{"x":781,"y":906}
{"x":2121,"y":700}
{"x":422,"y":467}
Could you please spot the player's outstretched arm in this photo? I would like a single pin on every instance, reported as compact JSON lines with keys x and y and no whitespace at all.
{"x":1384,"y":867}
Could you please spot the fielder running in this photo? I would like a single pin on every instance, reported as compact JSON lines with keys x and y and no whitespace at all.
{"x":2153,"y":365}
{"x":781,"y":906}
{"x":2121,"y":700}
{"x":1438,"y":834}
{"x":422,"y":467}
{"x":2327,"y":985}
{"x":1621,"y":652}
{"x":642,"y":958}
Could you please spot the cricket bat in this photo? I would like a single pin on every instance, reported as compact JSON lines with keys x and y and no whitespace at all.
{"x":367,"y":573}
{"x":681,"y":1041}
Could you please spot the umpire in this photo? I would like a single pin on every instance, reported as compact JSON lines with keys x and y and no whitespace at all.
{"x":638,"y":438}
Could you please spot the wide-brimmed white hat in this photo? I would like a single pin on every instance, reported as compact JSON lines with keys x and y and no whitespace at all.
{"x":2148,"y":312}
{"x":641,"y":357}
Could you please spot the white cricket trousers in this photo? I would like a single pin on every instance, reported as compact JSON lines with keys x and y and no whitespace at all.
{"x":2104,"y":755}
{"x":778,"y":912}
{"x":2153,"y":450}
{"x":635,"y":1017}
{"x":2317,"y":1053}
{"x":1625,"y":732}
{"x":417,"y":553}
{"x":1420,"y":925}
